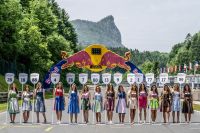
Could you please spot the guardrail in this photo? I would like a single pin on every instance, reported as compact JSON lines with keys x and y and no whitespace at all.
{"x":4,"y":96}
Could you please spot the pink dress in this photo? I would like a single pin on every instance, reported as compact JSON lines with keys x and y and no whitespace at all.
{"x":143,"y":100}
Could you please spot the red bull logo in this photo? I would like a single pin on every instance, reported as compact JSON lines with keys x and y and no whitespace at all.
{"x":96,"y":58}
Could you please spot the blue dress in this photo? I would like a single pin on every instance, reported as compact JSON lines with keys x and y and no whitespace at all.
{"x":175,"y":101}
{"x":59,"y":100}
{"x":121,"y":104}
{"x":73,"y":106}
{"x":39,"y":102}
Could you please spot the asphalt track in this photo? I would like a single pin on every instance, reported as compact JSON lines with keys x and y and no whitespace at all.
{"x":104,"y":127}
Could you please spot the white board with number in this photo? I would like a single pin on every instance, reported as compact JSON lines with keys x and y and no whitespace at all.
{"x":23,"y":78}
{"x":70,"y":77}
{"x":95,"y":78}
{"x":106,"y":78}
{"x":55,"y":78}
{"x":9,"y":77}
{"x":163,"y":78}
{"x":131,"y":78}
{"x":181,"y":78}
{"x":34,"y":77}
{"x":117,"y":78}
{"x":139,"y":77}
{"x":83,"y":78}
{"x":149,"y":78}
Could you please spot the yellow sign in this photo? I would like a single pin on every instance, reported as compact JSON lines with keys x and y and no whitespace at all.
{"x":96,"y":52}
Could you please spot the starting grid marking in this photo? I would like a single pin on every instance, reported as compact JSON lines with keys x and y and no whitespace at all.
{"x":90,"y":124}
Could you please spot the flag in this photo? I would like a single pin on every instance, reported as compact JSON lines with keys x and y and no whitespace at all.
{"x":175,"y":68}
{"x":134,"y":69}
{"x":168,"y":69}
{"x":54,"y":69}
{"x":164,"y":69}
{"x":190,"y":66}
{"x":196,"y":66}
{"x":180,"y":68}
{"x":185,"y":68}
{"x":171,"y":69}
{"x":161,"y":70}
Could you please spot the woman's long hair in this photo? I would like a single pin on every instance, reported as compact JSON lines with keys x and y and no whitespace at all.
{"x":140,"y":88}
{"x":12,"y":88}
{"x":184,"y":88}
{"x":110,"y":86}
{"x":168,"y":90}
{"x":156,"y":90}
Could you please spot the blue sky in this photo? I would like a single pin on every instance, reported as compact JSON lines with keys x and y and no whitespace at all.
{"x":144,"y":24}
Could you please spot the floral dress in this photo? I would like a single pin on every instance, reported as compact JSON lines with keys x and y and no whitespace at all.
{"x":13,"y":106}
{"x":98,"y":103}
{"x":26,"y":104}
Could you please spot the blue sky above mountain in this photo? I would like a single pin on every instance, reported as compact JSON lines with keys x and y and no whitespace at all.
{"x":144,"y":24}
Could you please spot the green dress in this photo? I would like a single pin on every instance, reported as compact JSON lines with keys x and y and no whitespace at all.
{"x":154,"y":103}
{"x":13,"y":106}
{"x":85,"y":101}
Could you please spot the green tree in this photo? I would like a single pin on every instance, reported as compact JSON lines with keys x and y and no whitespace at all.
{"x":10,"y":15}
{"x":147,"y":67}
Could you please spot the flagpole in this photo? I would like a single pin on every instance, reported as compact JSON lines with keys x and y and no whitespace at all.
{"x":33,"y":103}
{"x":7,"y":104}
{"x":21,"y":104}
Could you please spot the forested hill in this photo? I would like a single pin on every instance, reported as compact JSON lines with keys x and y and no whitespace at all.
{"x":104,"y":32}
{"x":140,"y":58}
{"x":187,"y":51}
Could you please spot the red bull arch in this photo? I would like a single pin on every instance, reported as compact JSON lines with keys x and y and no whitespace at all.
{"x":96,"y":58}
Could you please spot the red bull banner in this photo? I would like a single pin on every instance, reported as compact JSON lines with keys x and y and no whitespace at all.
{"x":95,"y":58}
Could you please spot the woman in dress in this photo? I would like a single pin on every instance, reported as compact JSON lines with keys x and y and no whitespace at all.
{"x":73,"y":105}
{"x":121,"y":104}
{"x":85,"y":103}
{"x":133,"y":96}
{"x":187,"y":103}
{"x":39,"y":105}
{"x":142,"y":101}
{"x":26,"y":103}
{"x":154,"y":102}
{"x":110,"y":102}
{"x":13,"y":106}
{"x":176,"y":102}
{"x":98,"y":103}
{"x":59,"y":103}
{"x":166,"y":103}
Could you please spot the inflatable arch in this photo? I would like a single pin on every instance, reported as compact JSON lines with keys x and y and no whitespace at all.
{"x":96,"y":58}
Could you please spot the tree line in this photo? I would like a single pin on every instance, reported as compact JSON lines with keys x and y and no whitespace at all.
{"x":33,"y":32}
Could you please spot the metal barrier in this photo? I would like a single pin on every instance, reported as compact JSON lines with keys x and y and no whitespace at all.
{"x":4,"y":96}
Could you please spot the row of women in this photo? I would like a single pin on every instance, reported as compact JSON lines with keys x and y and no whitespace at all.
{"x":135,"y":99}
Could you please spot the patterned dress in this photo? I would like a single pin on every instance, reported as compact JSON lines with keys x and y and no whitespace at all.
{"x":13,"y":106}
{"x":176,"y":101}
{"x":143,"y":100}
{"x":85,"y":101}
{"x":39,"y":101}
{"x":133,"y":100}
{"x":187,"y":103}
{"x":73,"y":105}
{"x":98,"y":103}
{"x":154,"y":103}
{"x":166,"y":102}
{"x":59,"y":104}
{"x":26,"y":104}
{"x":109,"y":104}
{"x":121,"y":104}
